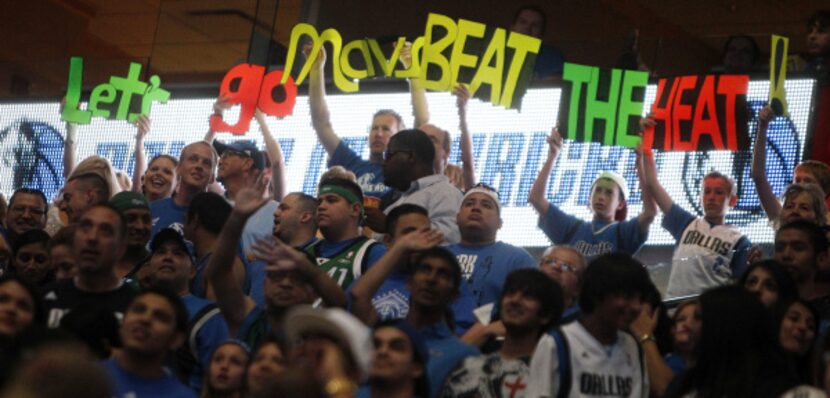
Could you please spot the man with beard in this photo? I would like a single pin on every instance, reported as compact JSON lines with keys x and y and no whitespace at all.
{"x":171,"y":267}
{"x":195,"y":171}
{"x":291,"y":277}
{"x":295,"y":220}
{"x":136,"y":210}
{"x":26,"y":211}
{"x":530,"y":303}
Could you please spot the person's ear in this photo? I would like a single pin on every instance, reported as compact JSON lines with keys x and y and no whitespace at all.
{"x":733,"y":200}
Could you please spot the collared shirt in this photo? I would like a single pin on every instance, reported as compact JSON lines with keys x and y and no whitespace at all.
{"x":440,"y":198}
{"x":445,"y":353}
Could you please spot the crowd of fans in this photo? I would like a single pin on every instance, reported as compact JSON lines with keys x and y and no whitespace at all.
{"x":200,"y":276}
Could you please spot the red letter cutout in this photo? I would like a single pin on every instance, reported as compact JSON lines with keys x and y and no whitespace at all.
{"x":733,"y":86}
{"x":682,"y":111}
{"x":700,"y":126}
{"x":249,"y":79}
{"x":268,"y":104}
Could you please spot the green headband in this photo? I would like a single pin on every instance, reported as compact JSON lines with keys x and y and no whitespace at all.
{"x":343,"y":192}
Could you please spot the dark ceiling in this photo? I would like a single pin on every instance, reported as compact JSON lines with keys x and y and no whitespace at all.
{"x":193,"y":42}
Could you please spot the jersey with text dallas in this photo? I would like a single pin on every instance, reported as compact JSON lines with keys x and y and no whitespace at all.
{"x":596,"y":370}
{"x":702,"y":258}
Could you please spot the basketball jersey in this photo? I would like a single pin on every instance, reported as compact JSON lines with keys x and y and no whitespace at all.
{"x":702,"y":258}
{"x":595,"y":370}
{"x":346,"y":265}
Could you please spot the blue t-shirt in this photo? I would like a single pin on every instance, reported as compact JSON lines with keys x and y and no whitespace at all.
{"x":593,"y":238}
{"x":391,"y":301}
{"x":369,"y":175}
{"x":675,"y":362}
{"x":485,"y":267}
{"x":166,"y":213}
{"x":259,"y":225}
{"x":445,"y":352}
{"x":126,"y":385}
{"x":212,"y":332}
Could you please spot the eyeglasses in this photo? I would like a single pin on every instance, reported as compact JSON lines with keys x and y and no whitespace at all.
{"x":561,"y":265}
{"x":486,"y":187}
{"x":230,"y":152}
{"x":388,"y":155}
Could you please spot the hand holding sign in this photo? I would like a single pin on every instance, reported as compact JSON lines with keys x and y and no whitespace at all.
{"x":554,"y":141}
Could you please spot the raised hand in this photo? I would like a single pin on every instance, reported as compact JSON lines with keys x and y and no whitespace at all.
{"x":278,"y":256}
{"x":221,"y":105}
{"x":462,"y":96}
{"x":321,"y":55}
{"x":250,"y":199}
{"x":143,"y":124}
{"x":420,"y":240}
{"x":406,"y":55}
{"x":554,"y":141}
{"x":766,"y":114}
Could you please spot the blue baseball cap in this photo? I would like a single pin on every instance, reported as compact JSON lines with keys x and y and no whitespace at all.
{"x":244,"y":148}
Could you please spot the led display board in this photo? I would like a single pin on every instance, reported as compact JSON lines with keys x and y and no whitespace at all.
{"x":509,"y":148}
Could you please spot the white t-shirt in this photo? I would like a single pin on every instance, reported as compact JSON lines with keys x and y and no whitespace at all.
{"x":596,"y":370}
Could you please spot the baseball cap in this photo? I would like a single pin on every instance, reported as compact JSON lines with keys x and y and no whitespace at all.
{"x":245,"y":148}
{"x":168,"y":234}
{"x":618,"y":179}
{"x":347,"y":331}
{"x":126,"y":200}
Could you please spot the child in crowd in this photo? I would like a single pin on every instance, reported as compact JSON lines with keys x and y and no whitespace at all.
{"x":609,"y":231}
{"x":709,"y":252}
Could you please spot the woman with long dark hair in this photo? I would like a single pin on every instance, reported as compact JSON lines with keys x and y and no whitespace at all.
{"x":737,"y":355}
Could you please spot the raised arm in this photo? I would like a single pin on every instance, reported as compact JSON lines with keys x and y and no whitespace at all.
{"x":656,"y":190}
{"x":142,"y":128}
{"x":69,"y":145}
{"x":219,"y":108}
{"x":282,"y":257}
{"x":274,"y":150}
{"x":420,"y":107}
{"x":468,"y":167}
{"x":320,"y":116}
{"x":230,"y":298}
{"x":758,"y":172}
{"x":652,"y":184}
{"x":365,"y":287}
{"x":539,"y":189}
{"x":659,"y":373}
{"x":649,"y":209}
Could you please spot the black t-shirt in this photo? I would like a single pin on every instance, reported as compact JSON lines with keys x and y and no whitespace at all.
{"x":62,"y":297}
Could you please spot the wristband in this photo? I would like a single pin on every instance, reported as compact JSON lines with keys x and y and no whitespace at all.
{"x":647,"y":337}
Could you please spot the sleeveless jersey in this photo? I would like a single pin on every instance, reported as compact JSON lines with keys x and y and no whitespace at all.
{"x":703,"y":258}
{"x":347,"y":265}
{"x":588,"y":368}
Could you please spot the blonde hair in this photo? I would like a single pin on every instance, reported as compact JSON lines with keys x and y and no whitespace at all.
{"x":102,"y":167}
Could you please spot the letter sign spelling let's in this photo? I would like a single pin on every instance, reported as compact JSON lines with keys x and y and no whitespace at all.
{"x":106,"y":94}
{"x":700,"y":113}
{"x":601,"y":105}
